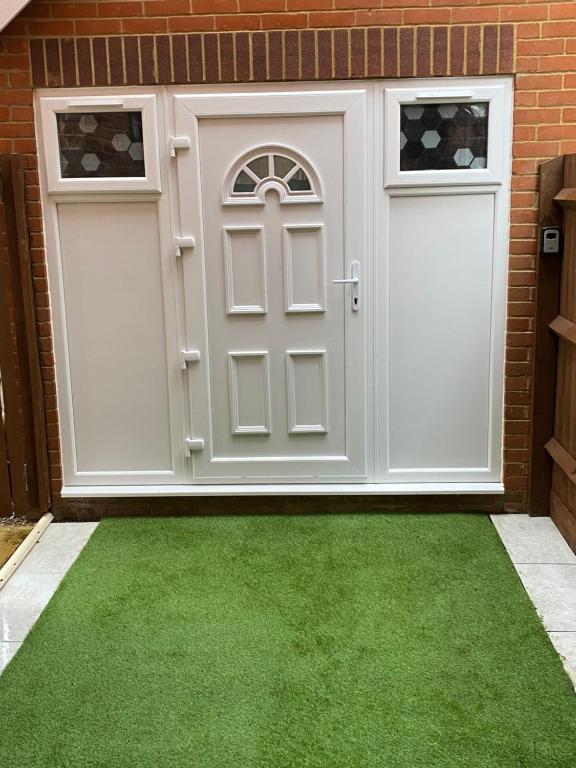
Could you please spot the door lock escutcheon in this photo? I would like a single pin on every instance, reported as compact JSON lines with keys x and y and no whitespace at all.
{"x":354,"y":282}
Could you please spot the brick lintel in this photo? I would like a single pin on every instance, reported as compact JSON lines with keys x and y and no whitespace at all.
{"x":240,"y":57}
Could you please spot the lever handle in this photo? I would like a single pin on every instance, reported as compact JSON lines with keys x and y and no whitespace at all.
{"x":354,"y":281}
{"x":346,"y":280}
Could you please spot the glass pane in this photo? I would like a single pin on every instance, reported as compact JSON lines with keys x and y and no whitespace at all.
{"x":443,"y":136}
{"x":100,"y":144}
{"x":260,"y":166}
{"x":299,"y":182}
{"x":282,"y":165}
{"x":244,"y":183}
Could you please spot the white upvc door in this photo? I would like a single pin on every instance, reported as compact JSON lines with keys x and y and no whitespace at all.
{"x":272,"y":212}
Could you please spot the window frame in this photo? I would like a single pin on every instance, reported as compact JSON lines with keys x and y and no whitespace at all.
{"x":146,"y":104}
{"x":468,"y":92}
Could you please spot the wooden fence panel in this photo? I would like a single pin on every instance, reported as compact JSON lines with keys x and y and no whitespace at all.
{"x":556,"y":336}
{"x":5,"y":491}
{"x":23,"y":455}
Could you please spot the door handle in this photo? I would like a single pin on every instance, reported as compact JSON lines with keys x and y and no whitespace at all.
{"x":354,"y":281}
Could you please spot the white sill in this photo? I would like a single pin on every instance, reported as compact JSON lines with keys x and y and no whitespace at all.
{"x":302,"y":489}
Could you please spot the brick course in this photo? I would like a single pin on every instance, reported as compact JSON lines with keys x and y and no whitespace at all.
{"x":361,"y":52}
{"x":99,"y":42}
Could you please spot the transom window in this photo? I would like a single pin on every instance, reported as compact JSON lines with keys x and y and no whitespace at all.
{"x":101,"y":141}
{"x":100,"y":144}
{"x":449,"y":136}
{"x":276,"y":168}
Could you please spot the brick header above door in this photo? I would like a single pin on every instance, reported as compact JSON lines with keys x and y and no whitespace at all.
{"x":229,"y":57}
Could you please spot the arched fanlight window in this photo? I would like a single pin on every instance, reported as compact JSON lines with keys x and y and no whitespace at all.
{"x":272,"y":168}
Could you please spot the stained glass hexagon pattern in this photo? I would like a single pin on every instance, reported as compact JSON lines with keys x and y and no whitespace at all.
{"x":88,"y":123}
{"x":100,"y":144}
{"x":121,"y":142}
{"x":443,"y":136}
{"x":90,"y":162}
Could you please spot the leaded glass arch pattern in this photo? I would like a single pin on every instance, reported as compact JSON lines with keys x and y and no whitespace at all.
{"x":272,"y":167}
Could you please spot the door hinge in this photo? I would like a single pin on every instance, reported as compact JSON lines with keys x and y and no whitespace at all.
{"x":178,"y":142}
{"x":189,"y":356}
{"x":183,"y":242}
{"x":194,"y":444}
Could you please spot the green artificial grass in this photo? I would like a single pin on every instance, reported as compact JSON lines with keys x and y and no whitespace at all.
{"x":360,"y":641}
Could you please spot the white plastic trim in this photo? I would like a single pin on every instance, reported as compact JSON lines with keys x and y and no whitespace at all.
{"x":10,"y":9}
{"x":300,"y":489}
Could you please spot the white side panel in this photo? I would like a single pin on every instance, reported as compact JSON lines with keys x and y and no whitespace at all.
{"x":440,"y":308}
{"x":110,"y":261}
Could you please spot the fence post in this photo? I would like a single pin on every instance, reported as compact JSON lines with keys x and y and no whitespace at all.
{"x":23,"y":453}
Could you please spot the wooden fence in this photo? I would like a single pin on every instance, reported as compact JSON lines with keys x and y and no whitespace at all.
{"x":553,"y":473}
{"x":24,"y":479}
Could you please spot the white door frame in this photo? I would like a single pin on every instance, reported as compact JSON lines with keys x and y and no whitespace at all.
{"x":178,"y":480}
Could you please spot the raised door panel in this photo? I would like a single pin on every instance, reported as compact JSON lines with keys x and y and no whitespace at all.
{"x":249,"y":390}
{"x":304,"y":268}
{"x":307,"y":391}
{"x":245,"y":270}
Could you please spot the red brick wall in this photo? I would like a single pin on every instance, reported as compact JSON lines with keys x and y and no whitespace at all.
{"x":396,"y":38}
{"x":212,"y":57}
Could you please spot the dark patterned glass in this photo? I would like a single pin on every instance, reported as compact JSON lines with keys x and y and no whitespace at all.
{"x":443,"y":136}
{"x":244,"y":183}
{"x":262,"y":167}
{"x":100,"y":144}
{"x":299,"y":182}
{"x":282,"y":166}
